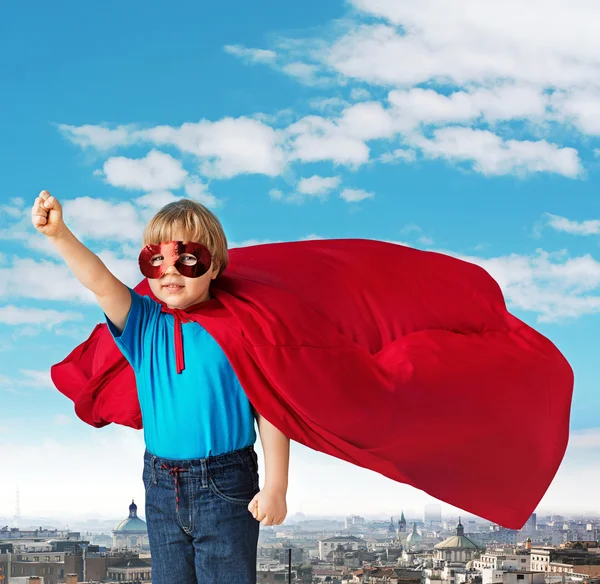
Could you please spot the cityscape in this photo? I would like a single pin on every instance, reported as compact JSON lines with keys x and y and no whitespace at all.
{"x":432,"y":548}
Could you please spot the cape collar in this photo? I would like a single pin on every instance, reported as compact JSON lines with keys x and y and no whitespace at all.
{"x":190,"y":314}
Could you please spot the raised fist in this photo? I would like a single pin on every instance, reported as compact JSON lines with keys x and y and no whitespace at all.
{"x":46,"y":215}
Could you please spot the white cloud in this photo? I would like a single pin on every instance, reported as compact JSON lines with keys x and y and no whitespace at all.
{"x":506,"y":102}
{"x":40,"y":379}
{"x":355,"y":195}
{"x":315,"y":187}
{"x":318,"y":185}
{"x":491,"y":155}
{"x":366,"y":121}
{"x":227,"y":147}
{"x":50,"y":281}
{"x":398,"y":155}
{"x":156,"y":171}
{"x":124,"y":267}
{"x":551,"y":285}
{"x":197,"y":190}
{"x":314,"y":138}
{"x":414,"y":228}
{"x":276,"y":194}
{"x":98,"y":137}
{"x":251,"y":55}
{"x":155,"y":200}
{"x":338,"y":149}
{"x":473,"y":42}
{"x":18,"y":316}
{"x":343,"y":139}
{"x":311,"y":237}
{"x":41,"y":280}
{"x":587,"y":227}
{"x":580,"y":108}
{"x":307,"y":73}
{"x":328,"y":105}
{"x":100,"y":219}
{"x":499,"y":70}
{"x":359,"y":93}
{"x":15,"y":209}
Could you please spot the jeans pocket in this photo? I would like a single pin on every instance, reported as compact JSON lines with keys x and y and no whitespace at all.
{"x":147,"y":477}
{"x":237,"y":485}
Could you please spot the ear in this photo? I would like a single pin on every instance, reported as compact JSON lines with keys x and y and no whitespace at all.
{"x":215,"y":270}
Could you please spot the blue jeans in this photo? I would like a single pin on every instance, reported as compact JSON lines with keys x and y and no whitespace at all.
{"x":199,"y":526}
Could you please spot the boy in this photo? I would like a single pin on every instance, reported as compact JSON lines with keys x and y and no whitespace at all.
{"x":334,"y":341}
{"x":203,"y":505}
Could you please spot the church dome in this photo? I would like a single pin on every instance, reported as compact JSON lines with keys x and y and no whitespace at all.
{"x":458,"y":542}
{"x":133,"y":524}
{"x":414,"y":536}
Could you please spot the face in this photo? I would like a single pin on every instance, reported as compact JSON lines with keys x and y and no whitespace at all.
{"x":177,"y":290}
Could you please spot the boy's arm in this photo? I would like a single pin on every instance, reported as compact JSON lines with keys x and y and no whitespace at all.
{"x":112,"y":295}
{"x":276,"y":447}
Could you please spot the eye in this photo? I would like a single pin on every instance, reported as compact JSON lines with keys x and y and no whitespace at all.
{"x":188,"y":259}
{"x":156,"y":260}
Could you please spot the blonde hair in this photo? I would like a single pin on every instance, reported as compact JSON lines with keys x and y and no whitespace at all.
{"x":197,"y":224}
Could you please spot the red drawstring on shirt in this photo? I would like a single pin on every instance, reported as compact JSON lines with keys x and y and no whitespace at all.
{"x":179,"y":316}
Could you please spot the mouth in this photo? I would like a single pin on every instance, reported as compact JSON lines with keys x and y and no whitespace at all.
{"x":173,"y":287}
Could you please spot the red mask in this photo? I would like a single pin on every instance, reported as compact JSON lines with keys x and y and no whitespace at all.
{"x":191,"y":259}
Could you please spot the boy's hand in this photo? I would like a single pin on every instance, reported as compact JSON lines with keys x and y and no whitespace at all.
{"x":269,"y":507}
{"x":46,"y":215}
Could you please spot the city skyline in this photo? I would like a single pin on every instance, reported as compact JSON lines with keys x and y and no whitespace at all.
{"x":348,"y":119}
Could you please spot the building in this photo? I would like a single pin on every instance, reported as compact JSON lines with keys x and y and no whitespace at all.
{"x":353,"y":521}
{"x":531,"y":524}
{"x":498,"y":534}
{"x":495,"y":566}
{"x":503,"y":562}
{"x":131,"y":533}
{"x":49,"y":565}
{"x":390,"y":575}
{"x":132,"y":570}
{"x":457,"y":548}
{"x":329,"y":545}
{"x":391,"y":528}
{"x":414,"y":537}
{"x":568,"y":560}
{"x":402,"y":524}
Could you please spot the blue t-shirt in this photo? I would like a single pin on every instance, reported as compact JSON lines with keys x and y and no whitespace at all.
{"x":199,"y":412}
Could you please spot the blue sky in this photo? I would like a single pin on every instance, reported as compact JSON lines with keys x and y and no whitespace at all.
{"x":466,"y":129}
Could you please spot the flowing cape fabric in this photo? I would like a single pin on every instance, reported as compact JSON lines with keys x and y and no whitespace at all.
{"x":402,"y":361}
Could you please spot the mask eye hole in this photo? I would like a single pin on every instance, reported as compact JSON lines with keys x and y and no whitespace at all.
{"x":156,"y":260}
{"x":187,"y":259}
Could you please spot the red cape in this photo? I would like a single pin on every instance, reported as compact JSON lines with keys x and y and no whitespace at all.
{"x":398,"y":360}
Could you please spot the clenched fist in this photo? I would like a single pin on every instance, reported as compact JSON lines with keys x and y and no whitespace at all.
{"x":46,"y":215}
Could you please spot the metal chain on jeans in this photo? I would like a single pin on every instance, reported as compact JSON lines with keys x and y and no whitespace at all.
{"x":175,"y":471}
